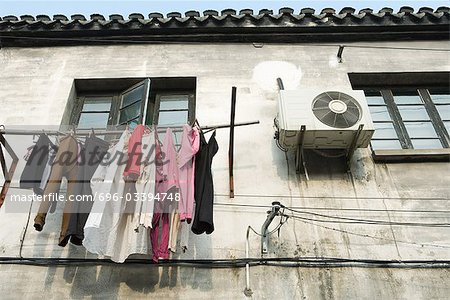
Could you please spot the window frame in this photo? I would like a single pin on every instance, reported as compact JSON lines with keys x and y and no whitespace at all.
{"x":190,"y":109}
{"x":144,"y":102}
{"x":408,"y":153}
{"x":117,"y":87}
{"x":80,"y":100}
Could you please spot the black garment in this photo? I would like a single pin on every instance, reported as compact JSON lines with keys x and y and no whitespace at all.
{"x":204,"y":186}
{"x":32,"y":173}
{"x":91,"y":156}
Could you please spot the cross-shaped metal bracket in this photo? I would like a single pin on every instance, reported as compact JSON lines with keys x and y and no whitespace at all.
{"x":7,"y":172}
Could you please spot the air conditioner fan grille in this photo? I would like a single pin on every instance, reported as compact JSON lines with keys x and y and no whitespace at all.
{"x":336,"y":109}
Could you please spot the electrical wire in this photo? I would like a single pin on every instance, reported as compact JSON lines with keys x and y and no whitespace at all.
{"x":280,"y":224}
{"x":22,"y":238}
{"x":277,"y":136}
{"x":236,"y":263}
{"x":375,"y":237}
{"x":335,"y":208}
{"x":373,"y":222}
{"x":336,"y":197}
{"x":369,"y":221}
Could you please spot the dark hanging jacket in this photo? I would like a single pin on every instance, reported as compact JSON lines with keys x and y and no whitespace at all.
{"x":32,"y":173}
{"x":204,"y":186}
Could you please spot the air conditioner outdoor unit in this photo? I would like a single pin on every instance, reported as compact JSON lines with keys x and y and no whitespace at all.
{"x":331,"y":118}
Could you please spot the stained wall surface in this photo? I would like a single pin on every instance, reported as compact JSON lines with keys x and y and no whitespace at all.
{"x":35,"y":87}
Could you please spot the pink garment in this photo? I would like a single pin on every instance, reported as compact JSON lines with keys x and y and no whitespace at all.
{"x":165,"y":158}
{"x":135,"y":152}
{"x":160,"y":249}
{"x":190,"y":143}
{"x":170,"y":168}
{"x":175,"y":174}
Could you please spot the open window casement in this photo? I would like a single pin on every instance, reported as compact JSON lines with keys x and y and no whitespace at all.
{"x":133,"y":104}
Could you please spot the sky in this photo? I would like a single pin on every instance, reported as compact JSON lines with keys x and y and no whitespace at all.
{"x":124,"y":7}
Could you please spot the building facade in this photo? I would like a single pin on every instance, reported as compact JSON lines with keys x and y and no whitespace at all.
{"x":330,"y":247}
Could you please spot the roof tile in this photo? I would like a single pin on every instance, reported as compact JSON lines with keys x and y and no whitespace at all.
{"x":60,"y":17}
{"x":328,"y":11}
{"x":192,"y":13}
{"x":246,"y":11}
{"x":286,"y":10}
{"x":78,"y":17}
{"x":27,"y":18}
{"x":307,"y":11}
{"x":347,"y":10}
{"x":174,"y":14}
{"x":426,"y":10}
{"x":443,"y":9}
{"x":136,"y":16}
{"x":97,"y":17}
{"x":228,"y":11}
{"x":387,"y":10}
{"x":265,"y":11}
{"x":116,"y":17}
{"x":155,"y":15}
{"x":10,"y":18}
{"x":43,"y":18}
{"x":210,"y":12}
{"x":406,"y":9}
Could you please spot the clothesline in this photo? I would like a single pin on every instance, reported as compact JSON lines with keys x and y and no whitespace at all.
{"x":88,"y":131}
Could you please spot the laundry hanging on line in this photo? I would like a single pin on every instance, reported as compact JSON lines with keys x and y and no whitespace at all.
{"x":147,"y":183}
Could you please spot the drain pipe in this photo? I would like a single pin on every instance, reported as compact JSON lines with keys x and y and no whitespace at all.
{"x":280,"y":83}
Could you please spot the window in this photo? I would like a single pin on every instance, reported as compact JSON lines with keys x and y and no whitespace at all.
{"x":409,"y":119}
{"x":133,"y":103}
{"x":410,"y":111}
{"x":95,"y":112}
{"x":103,"y":103}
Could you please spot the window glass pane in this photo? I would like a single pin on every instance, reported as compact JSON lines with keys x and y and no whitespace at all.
{"x":174,"y":102}
{"x":420,"y":129}
{"x":177,"y":137}
{"x":97,"y":104}
{"x":426,"y":144}
{"x":379,"y":113}
{"x":413,"y":99}
{"x":447,"y":125}
{"x":413,"y":113}
{"x":373,"y":100}
{"x":132,"y":96}
{"x":134,"y":123}
{"x":385,"y":144}
{"x":384,"y":131}
{"x":172,"y":118}
{"x":130,"y":112}
{"x":441,"y":98}
{"x":444,"y":111}
{"x":93,"y":120}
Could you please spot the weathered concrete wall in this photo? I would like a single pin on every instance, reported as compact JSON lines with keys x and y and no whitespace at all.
{"x":147,"y":281}
{"x":35,"y":84}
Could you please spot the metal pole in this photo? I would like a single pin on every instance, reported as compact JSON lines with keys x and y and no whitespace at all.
{"x":231,"y":145}
{"x":248,"y":291}
{"x":265,"y":227}
{"x":87,"y":131}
